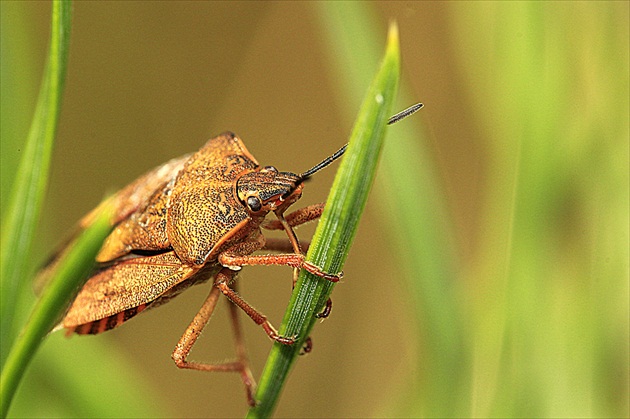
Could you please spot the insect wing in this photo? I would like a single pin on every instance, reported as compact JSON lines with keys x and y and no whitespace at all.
{"x":124,"y":202}
{"x":118,"y":292}
{"x":136,"y":195}
{"x":143,"y":230}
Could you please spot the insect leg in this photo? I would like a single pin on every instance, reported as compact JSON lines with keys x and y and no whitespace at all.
{"x":283,"y":245}
{"x":276,"y":244}
{"x":296,"y":218}
{"x":308,"y":343}
{"x":224,"y":276}
{"x":308,"y":346}
{"x":241,"y":353}
{"x":324,"y":314}
{"x":190,"y":336}
{"x":293,"y":260}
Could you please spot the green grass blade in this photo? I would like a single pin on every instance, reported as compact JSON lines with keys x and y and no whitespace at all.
{"x":18,"y":88}
{"x":71,"y":380}
{"x":337,"y":227}
{"x":78,"y":261}
{"x":25,"y":205}
{"x":417,"y":224}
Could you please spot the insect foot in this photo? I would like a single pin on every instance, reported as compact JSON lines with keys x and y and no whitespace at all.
{"x":326,"y":312}
{"x":273,"y":334}
{"x":307,"y":347}
{"x":317,"y":271}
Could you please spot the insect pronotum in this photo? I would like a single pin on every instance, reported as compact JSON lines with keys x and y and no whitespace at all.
{"x":196,"y":217}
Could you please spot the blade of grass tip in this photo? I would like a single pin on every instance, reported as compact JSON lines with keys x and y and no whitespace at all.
{"x":74,"y":268}
{"x":31,"y":179}
{"x":337,"y":227}
{"x":418,"y":227}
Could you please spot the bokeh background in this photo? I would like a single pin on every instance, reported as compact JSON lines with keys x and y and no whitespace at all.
{"x":490,"y":280}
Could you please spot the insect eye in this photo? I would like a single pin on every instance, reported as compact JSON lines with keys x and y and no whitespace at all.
{"x":254,"y":204}
{"x":270,"y":169}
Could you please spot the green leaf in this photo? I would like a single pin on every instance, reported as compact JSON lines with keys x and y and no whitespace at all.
{"x":337,"y":227}
{"x":74,"y":267}
{"x":18,"y":226}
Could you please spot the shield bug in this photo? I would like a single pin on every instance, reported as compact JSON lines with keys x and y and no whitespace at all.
{"x":194,"y":218}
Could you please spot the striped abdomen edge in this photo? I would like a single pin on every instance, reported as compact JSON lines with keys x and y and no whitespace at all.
{"x":107,"y":323}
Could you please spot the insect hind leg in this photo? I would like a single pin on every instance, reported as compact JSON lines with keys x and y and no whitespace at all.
{"x":191,"y":335}
{"x":241,"y":353}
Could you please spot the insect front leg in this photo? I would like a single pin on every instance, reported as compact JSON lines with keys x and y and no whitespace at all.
{"x":191,"y":335}
{"x":232,"y":258}
{"x":294,"y":219}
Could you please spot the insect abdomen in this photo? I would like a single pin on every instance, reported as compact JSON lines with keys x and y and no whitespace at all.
{"x":107,"y":323}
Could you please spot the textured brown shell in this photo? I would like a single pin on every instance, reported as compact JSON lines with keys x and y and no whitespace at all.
{"x":125,"y":202}
{"x":192,"y":211}
{"x":205,"y":213}
{"x":145,"y":229}
{"x":188,"y":204}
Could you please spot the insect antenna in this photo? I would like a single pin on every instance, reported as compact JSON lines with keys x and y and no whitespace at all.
{"x":403,"y":114}
{"x":319,"y":166}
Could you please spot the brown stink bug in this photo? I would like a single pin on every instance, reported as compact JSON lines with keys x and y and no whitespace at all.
{"x":194,"y":218}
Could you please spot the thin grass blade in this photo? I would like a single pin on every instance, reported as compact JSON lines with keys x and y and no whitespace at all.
{"x":77,"y":262}
{"x":337,"y":226}
{"x":418,"y":225}
{"x":18,"y":227}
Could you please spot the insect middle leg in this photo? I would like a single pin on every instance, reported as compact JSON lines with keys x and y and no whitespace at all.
{"x":284,"y":246}
{"x":192,"y":333}
{"x":222,"y":280}
{"x":294,"y":219}
{"x":294,"y":260}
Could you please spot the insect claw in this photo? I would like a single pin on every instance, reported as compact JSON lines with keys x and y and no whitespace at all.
{"x":286,"y":341}
{"x":326,"y":312}
{"x":318,"y":271}
{"x":307,"y":347}
{"x":273,"y":334}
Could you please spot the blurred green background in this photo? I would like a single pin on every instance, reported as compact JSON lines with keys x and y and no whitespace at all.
{"x":512,"y":301}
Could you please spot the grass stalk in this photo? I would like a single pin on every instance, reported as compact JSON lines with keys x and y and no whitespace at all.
{"x":77,"y":262}
{"x":29,"y":187}
{"x":337,"y":227}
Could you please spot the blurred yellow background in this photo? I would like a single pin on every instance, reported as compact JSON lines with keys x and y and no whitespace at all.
{"x":525,"y":126}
